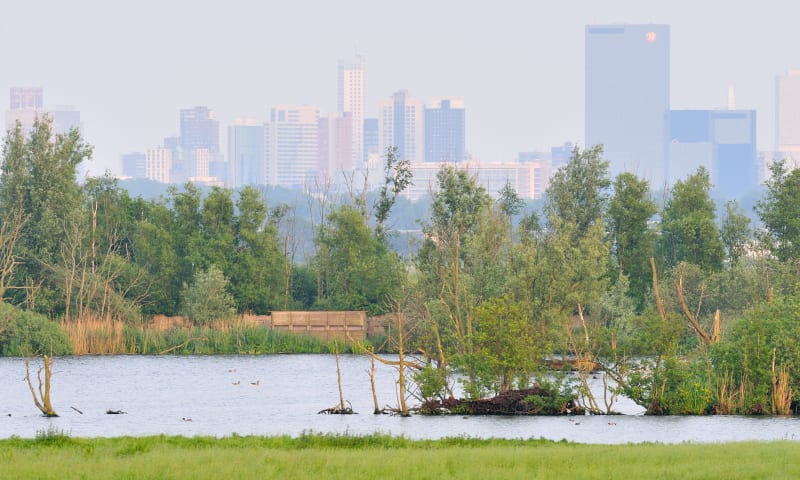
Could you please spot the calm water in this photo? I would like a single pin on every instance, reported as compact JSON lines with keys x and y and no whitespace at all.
{"x":159,"y":392}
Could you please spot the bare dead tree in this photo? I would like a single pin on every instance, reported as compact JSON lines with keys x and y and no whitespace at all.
{"x":42,"y":400}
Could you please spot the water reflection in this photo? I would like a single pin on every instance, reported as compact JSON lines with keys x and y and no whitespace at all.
{"x":281,"y":394}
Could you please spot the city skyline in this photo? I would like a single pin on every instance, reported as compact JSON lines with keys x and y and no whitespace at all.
{"x":523,"y":81}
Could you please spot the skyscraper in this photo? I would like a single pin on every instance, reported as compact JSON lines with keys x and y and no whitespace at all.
{"x":134,"y":165}
{"x":787,"y":117}
{"x":158,"y":163}
{"x":291,"y":145}
{"x":25,"y":105}
{"x":444,"y":131}
{"x":335,"y":140}
{"x":246,"y":154}
{"x":401,"y":125}
{"x":66,"y":118}
{"x":199,"y":131}
{"x":627,"y":96}
{"x":371,"y":138}
{"x":722,"y":141}
{"x":351,"y":100}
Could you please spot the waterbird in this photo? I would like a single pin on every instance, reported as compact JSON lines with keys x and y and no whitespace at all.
{"x":256,"y":382}
{"x":237,"y":382}
{"x":231,"y":370}
{"x":186,"y":419}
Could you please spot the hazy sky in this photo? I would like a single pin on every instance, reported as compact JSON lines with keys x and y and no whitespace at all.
{"x":130,"y":66}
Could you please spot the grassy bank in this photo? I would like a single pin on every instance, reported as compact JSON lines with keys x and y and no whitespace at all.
{"x":57,"y":456}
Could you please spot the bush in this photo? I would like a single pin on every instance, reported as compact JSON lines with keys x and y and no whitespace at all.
{"x":24,"y":333}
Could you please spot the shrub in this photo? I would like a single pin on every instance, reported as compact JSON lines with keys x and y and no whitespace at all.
{"x":27,"y":333}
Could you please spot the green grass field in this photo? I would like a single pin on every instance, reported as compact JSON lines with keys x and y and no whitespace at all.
{"x":55,"y":456}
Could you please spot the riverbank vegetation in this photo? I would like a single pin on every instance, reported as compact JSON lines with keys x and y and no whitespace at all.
{"x":663,"y":301}
{"x":384,"y":457}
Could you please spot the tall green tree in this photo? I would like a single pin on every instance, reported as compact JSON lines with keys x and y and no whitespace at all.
{"x":689,"y":230}
{"x":632,"y":240}
{"x":779,"y":211}
{"x":38,"y":179}
{"x":736,"y":232}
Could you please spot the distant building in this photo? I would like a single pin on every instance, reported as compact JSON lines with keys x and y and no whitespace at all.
{"x":628,"y":96}
{"x":246,"y":154}
{"x":445,"y":123}
{"x":66,"y":118}
{"x":492,"y":176}
{"x":291,"y":146}
{"x":158,"y":163}
{"x":351,"y":84}
{"x":26,"y":104}
{"x":722,"y":141}
{"x":787,"y":117}
{"x":199,"y":132}
{"x":371,"y":138}
{"x":134,"y":165}
{"x":335,"y":140}
{"x":400,"y":124}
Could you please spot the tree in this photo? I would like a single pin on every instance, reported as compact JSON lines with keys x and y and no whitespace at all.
{"x":507,"y":344}
{"x":689,"y":231}
{"x":632,"y":240}
{"x":779,"y":211}
{"x":207,"y":298}
{"x":578,"y":194}
{"x":38,"y":181}
{"x":397,"y":176}
{"x":358,"y":270}
{"x":735,"y":232}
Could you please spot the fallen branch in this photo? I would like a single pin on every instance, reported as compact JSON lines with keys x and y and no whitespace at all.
{"x":182,"y":345}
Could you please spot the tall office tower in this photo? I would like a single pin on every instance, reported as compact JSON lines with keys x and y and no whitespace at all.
{"x":199,"y":130}
{"x":158,"y":163}
{"x":401,"y":125}
{"x":335,"y":143}
{"x":66,"y":118}
{"x":134,"y":165}
{"x":245,"y":153}
{"x":787,"y":117}
{"x":627,"y":97}
{"x":25,"y":106}
{"x":722,"y":141}
{"x":291,"y":143}
{"x":561,"y":155}
{"x":26,"y":98}
{"x":351,"y":100}
{"x":371,"y":139}
{"x":444,"y":131}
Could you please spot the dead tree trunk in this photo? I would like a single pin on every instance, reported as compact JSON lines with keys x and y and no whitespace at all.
{"x":42,"y":400}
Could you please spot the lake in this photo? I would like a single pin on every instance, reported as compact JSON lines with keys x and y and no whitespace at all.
{"x":281,"y":394}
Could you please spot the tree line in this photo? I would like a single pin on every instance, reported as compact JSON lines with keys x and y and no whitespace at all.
{"x":683,"y":311}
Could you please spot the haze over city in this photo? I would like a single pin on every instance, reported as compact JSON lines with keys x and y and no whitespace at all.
{"x":130,"y":68}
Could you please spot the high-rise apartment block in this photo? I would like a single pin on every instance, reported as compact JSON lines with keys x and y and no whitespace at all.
{"x":246,"y":153}
{"x":628,"y":96}
{"x":199,"y":133}
{"x":134,"y":165}
{"x":787,"y":117}
{"x":26,"y":104}
{"x":401,"y":125}
{"x":291,"y":145}
{"x":444,"y":131}
{"x":335,"y":143}
{"x":158,"y":163}
{"x":371,"y":139}
{"x":351,"y":84}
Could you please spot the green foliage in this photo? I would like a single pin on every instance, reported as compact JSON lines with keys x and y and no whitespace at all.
{"x":431,"y":383}
{"x":633,"y":241}
{"x":207,"y":298}
{"x":689,"y":231}
{"x":747,"y":352}
{"x":508,"y":345}
{"x":28,"y":333}
{"x":357,"y":269}
{"x":397,"y":177}
{"x":780,"y":212}
{"x":735,"y":232}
